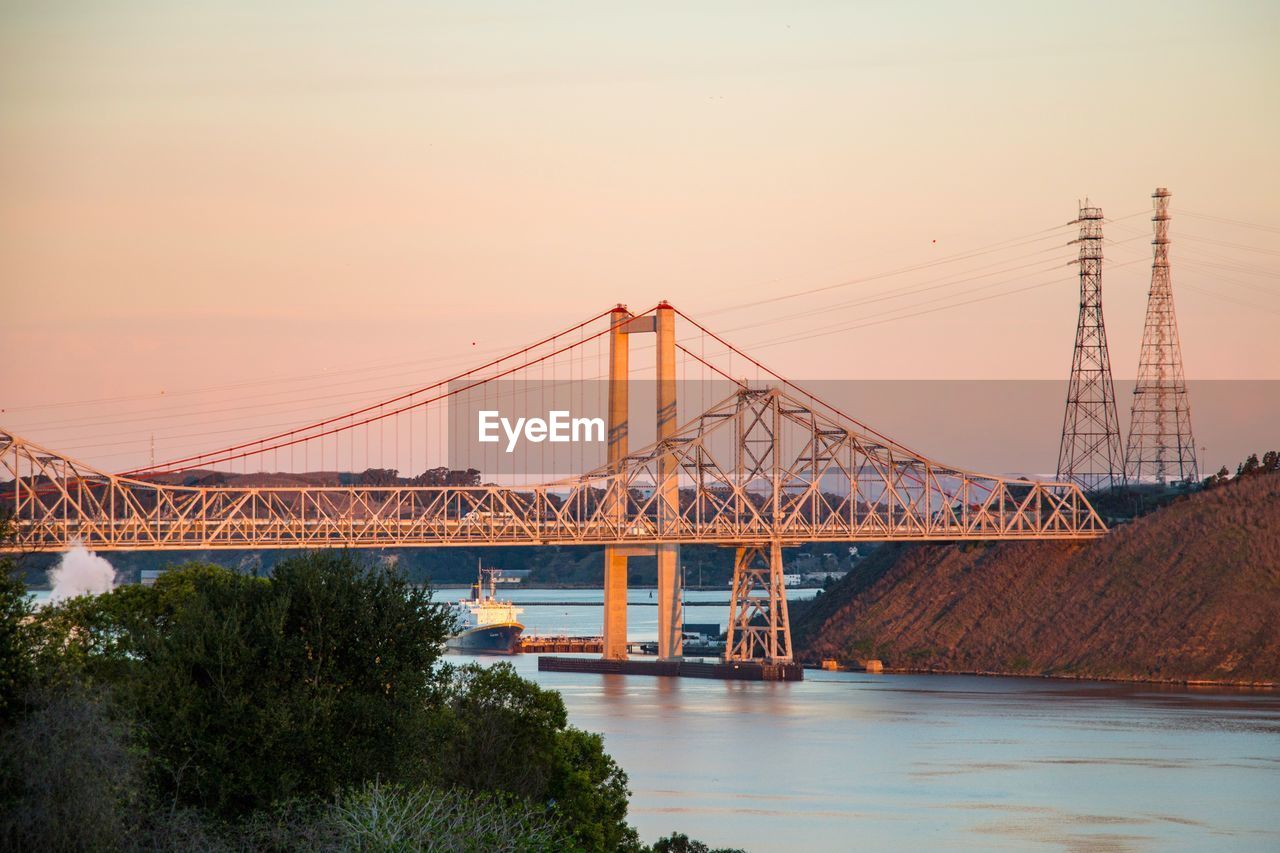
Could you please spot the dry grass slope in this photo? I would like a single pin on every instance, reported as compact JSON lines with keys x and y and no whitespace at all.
{"x":1190,"y":592}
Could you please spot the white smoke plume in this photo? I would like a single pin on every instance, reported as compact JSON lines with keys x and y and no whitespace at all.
{"x":80,"y":572}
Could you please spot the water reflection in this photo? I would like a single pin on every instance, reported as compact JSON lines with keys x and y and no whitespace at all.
{"x":844,"y":760}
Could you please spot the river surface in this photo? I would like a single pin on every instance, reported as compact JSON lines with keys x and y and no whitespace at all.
{"x":847,"y":761}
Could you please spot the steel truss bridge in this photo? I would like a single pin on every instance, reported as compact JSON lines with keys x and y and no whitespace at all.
{"x":762,"y":468}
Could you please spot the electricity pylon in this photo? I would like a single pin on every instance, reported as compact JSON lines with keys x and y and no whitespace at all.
{"x":1090,"y":453}
{"x":1161,"y":444}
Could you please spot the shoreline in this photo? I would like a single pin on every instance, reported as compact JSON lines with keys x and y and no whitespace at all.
{"x":1265,"y":686}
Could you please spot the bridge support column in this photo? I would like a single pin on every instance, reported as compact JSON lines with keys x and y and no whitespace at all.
{"x":615,"y":604}
{"x":670,"y":598}
{"x":759,"y":625}
{"x":615,"y":559}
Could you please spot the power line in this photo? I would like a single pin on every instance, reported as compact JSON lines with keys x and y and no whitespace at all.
{"x":233,"y":386}
{"x":327,"y":428}
{"x":1228,"y":221}
{"x":840,"y":325}
{"x":863,"y":325}
{"x":1230,"y":298}
{"x":1229,"y":245}
{"x":898,"y":293}
{"x":1013,"y":242}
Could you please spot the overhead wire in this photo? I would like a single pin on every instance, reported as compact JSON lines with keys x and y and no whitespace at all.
{"x":234,"y":386}
{"x":288,"y":438}
{"x":1000,"y":245}
{"x":1274,"y":229}
{"x":870,"y":321}
{"x":314,"y":431}
{"x":906,"y":290}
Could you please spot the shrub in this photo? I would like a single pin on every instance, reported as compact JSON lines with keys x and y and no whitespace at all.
{"x":500,"y":732}
{"x":17,"y":671}
{"x":69,"y":778}
{"x":256,"y":700}
{"x":678,"y":842}
{"x":254,"y":692}
{"x":390,"y":817}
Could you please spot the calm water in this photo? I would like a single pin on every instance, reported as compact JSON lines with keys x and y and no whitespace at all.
{"x":578,"y":612}
{"x":843,"y":760}
{"x":848,"y":761}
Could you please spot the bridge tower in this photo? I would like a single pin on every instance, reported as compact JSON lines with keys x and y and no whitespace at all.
{"x":670,"y":595}
{"x":615,"y":557}
{"x":759,"y":625}
{"x":670,"y":600}
{"x":1090,"y":453}
{"x":1161,"y":444}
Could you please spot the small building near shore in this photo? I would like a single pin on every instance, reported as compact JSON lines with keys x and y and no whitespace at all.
{"x":820,"y":577}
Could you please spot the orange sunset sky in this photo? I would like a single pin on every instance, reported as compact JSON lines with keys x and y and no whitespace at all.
{"x":194,"y":195}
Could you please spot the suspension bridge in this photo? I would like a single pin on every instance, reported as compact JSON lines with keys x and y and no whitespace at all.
{"x":765,"y":466}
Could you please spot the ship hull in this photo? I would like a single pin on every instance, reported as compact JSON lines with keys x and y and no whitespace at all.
{"x":488,"y":640}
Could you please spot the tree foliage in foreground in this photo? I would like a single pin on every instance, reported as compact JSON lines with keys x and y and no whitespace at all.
{"x":250,"y":691}
{"x":504,"y":733}
{"x":296,"y":686}
{"x":17,"y":659}
{"x":290,"y":712}
{"x":678,"y":842}
{"x":69,"y":778}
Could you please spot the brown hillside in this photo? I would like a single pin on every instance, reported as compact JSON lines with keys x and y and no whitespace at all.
{"x":1187,"y":593}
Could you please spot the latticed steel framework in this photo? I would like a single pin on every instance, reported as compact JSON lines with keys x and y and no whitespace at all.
{"x":759,"y":626}
{"x":761,"y":466}
{"x":1090,"y":453}
{"x":1161,"y":445}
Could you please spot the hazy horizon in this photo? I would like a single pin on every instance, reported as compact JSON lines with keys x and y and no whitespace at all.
{"x":202,"y":196}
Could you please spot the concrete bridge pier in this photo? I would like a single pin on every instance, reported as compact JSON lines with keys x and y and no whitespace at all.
{"x":615,"y":558}
{"x":670,"y":603}
{"x":670,"y":600}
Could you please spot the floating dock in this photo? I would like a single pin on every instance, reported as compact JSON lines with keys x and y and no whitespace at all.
{"x":736,"y":671}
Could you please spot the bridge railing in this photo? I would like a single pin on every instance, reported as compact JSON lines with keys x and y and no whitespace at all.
{"x":760,"y":466}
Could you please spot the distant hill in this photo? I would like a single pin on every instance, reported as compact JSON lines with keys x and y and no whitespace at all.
{"x":1189,"y":592}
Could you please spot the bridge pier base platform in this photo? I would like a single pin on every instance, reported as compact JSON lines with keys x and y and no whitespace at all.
{"x":731,"y":670}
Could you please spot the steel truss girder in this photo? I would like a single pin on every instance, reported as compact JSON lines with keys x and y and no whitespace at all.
{"x":759,"y":624}
{"x":758,"y":467}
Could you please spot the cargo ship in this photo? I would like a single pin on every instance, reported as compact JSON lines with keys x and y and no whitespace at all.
{"x":489,"y":626}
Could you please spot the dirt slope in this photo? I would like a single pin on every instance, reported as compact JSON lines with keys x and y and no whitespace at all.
{"x":1189,"y":592}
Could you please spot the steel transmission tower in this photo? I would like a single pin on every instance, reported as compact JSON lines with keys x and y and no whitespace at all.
{"x":1160,"y":441}
{"x":1090,"y":454}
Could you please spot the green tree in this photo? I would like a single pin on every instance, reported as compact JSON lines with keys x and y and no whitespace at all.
{"x":497,"y":731}
{"x":1218,"y":479}
{"x":502,"y":732}
{"x":255,"y":701}
{"x":589,"y":792}
{"x":17,"y":670}
{"x":93,"y":638}
{"x":250,"y":691}
{"x":69,"y":778}
{"x":678,"y":842}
